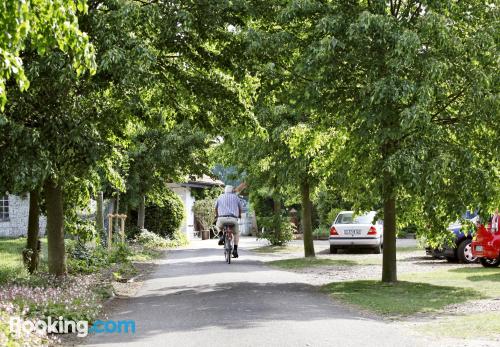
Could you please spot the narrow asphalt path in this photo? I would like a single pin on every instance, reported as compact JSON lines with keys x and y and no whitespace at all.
{"x":195,"y":299}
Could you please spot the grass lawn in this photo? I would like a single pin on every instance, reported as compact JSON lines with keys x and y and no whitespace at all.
{"x":297,"y":263}
{"x":11,"y":261}
{"x":402,"y":298}
{"x":468,"y":326}
{"x":420,"y":292}
{"x":485,"y":281}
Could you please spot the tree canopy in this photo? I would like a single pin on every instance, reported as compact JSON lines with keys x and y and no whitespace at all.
{"x":40,"y":25}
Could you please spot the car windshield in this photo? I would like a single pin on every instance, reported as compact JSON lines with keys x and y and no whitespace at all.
{"x":346,"y":218}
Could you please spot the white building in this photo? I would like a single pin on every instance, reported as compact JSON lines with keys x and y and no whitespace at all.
{"x":14,"y":211}
{"x":183,"y":190}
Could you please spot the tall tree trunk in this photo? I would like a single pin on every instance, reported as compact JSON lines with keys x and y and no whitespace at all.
{"x":99,"y":216}
{"x":307,"y":219}
{"x":32,"y":252}
{"x":141,"y":214}
{"x":277,"y":217}
{"x":55,"y":227}
{"x":389,"y":270}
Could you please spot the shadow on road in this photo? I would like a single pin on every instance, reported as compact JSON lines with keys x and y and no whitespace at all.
{"x":236,"y":305}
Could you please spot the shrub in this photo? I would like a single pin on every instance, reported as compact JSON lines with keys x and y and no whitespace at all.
{"x":321,"y":233}
{"x":286,"y":232}
{"x":152,"y":240}
{"x":166,"y":217}
{"x":408,"y":229}
{"x":120,"y":253}
{"x":131,"y":231}
{"x":178,"y":239}
{"x":84,"y":230}
{"x":82,"y":259}
{"x":204,"y":212}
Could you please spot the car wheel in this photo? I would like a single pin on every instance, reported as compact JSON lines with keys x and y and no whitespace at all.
{"x":333,"y":250}
{"x":378,"y":249}
{"x":488,"y":262}
{"x":464,"y":252}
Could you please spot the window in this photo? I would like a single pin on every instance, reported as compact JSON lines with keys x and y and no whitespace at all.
{"x":4,"y":208}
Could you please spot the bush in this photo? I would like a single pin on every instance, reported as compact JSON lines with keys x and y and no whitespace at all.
{"x":286,"y":232}
{"x":204,"y":212}
{"x":151,"y":240}
{"x":154,"y":241}
{"x":131,"y":231}
{"x":120,"y":253}
{"x":321,"y":233}
{"x":165,"y":218}
{"x":82,"y":259}
{"x":404,"y":231}
{"x":84,"y":230}
{"x":178,"y":239}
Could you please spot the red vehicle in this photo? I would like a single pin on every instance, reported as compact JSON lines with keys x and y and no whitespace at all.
{"x":486,"y":245}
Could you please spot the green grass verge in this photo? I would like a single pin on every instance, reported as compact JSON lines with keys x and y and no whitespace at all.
{"x":485,"y":324}
{"x":485,"y":281}
{"x":11,"y":261}
{"x":297,"y":263}
{"x":402,"y":298}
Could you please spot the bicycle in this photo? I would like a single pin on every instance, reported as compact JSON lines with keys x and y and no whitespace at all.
{"x":227,"y":230}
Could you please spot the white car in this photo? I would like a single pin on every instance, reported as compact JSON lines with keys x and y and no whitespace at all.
{"x":350,"y":231}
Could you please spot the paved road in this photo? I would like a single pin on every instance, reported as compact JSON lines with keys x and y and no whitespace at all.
{"x":195,"y":299}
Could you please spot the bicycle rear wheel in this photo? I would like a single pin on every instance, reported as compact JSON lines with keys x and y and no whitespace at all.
{"x":227,"y":253}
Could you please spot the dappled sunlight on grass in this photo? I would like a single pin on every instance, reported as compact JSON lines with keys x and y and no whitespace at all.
{"x":11,"y":262}
{"x":482,"y":280}
{"x":401,"y":298}
{"x":486,"y":324}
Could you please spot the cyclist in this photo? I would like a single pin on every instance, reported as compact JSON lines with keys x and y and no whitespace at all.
{"x":227,"y":211}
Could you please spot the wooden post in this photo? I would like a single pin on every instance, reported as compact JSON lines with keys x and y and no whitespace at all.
{"x":122,"y":226}
{"x":110,"y":230}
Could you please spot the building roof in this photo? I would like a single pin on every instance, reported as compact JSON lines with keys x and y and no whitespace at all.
{"x":204,"y":181}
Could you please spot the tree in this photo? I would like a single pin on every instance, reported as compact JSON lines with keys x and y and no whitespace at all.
{"x":41,"y":25}
{"x":410,"y":85}
{"x":169,"y":154}
{"x":69,"y":132}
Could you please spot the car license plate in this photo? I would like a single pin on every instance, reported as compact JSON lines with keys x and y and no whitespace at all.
{"x":352,"y":232}
{"x":479,"y":248}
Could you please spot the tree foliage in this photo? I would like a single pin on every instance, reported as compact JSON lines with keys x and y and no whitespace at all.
{"x":40,"y":25}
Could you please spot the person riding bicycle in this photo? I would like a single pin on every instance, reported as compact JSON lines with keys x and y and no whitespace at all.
{"x":227,"y":211}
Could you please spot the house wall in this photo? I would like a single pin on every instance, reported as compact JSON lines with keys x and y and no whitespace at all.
{"x":17,"y":225}
{"x":184,"y":194}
